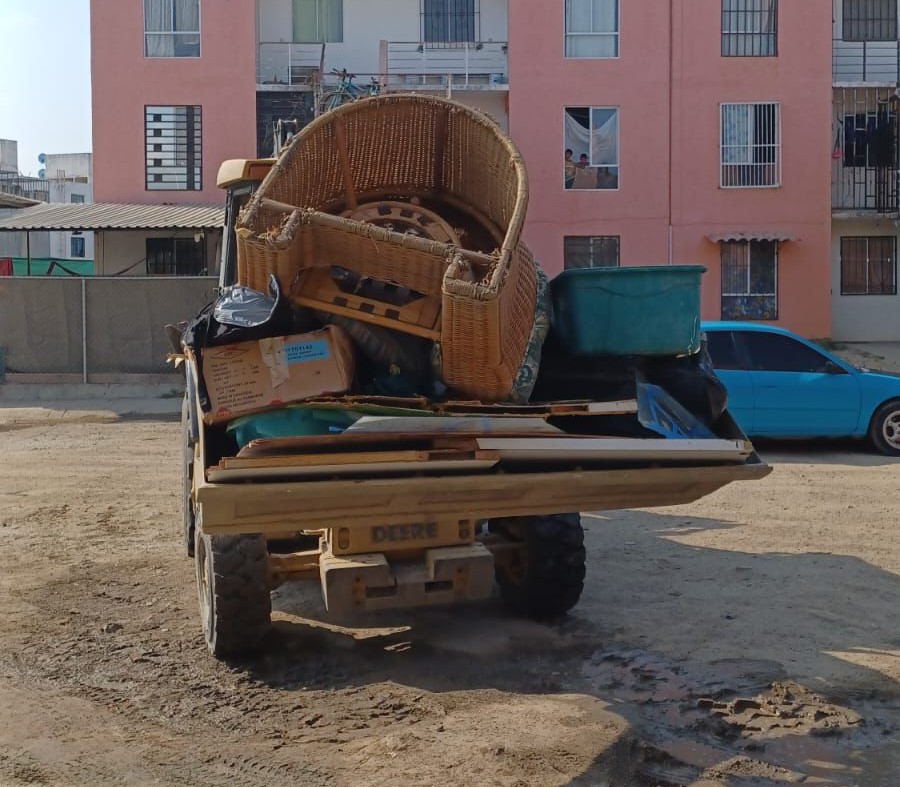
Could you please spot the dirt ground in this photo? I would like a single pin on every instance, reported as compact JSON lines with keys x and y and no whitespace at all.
{"x":748,"y":639}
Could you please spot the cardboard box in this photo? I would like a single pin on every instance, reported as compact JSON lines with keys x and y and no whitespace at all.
{"x":255,"y":376}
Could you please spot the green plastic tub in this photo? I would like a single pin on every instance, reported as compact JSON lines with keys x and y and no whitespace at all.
{"x":646,"y":310}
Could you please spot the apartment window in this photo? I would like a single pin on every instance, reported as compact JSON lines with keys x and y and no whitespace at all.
{"x":449,"y":21}
{"x":176,"y":256}
{"x":318,"y":21}
{"x":591,"y":155}
{"x":870,"y":139}
{"x":750,"y":150}
{"x":749,"y":280}
{"x":870,"y":20}
{"x":76,"y":199}
{"x":76,"y":246}
{"x":869,"y":266}
{"x":749,"y":28}
{"x":592,"y":28}
{"x":171,"y":28}
{"x":173,"y":137}
{"x":591,"y":251}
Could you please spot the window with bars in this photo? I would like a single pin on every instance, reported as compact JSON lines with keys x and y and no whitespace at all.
{"x":591,"y":156}
{"x":749,"y":28}
{"x":318,"y":21}
{"x":869,"y":265}
{"x":176,"y":256}
{"x":449,"y":21}
{"x":174,"y":142}
{"x":77,"y":199}
{"x":171,"y":28}
{"x":592,"y":28}
{"x":869,"y":20}
{"x":591,"y":251}
{"x":749,"y":280}
{"x":750,"y":145}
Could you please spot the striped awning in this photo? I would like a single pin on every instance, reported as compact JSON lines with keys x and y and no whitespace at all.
{"x":724,"y":237}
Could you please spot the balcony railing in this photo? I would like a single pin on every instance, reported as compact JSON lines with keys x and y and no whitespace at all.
{"x":865,"y":159}
{"x":865,"y":61}
{"x":415,"y":65}
{"x":280,"y":63}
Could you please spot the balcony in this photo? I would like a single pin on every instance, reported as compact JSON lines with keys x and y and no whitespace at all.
{"x":856,"y":62}
{"x":413,"y":65}
{"x":285,"y":65}
{"x":865,"y":160}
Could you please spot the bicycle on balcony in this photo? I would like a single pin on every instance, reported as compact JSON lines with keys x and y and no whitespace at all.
{"x":346,"y":91}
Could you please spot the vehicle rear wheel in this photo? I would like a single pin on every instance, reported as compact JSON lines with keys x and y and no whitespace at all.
{"x":544,"y":579}
{"x":884,"y":431}
{"x":233,"y":590}
{"x":187,"y":480}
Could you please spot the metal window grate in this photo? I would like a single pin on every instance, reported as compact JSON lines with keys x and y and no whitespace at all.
{"x":749,"y":28}
{"x":869,"y":265}
{"x":869,"y":20}
{"x":750,"y":146}
{"x":449,"y":21}
{"x":173,"y":148}
{"x":749,"y":273}
{"x":591,"y":251}
{"x":176,"y":256}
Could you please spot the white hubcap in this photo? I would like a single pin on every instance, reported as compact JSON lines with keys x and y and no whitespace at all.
{"x":890,"y":429}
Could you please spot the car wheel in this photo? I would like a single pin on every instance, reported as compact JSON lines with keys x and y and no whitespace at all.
{"x":884,"y":431}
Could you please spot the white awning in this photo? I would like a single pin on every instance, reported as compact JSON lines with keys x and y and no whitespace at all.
{"x":722,"y":237}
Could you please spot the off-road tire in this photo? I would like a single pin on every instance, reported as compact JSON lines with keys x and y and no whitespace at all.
{"x":546,"y":577}
{"x":233,"y":590}
{"x":188,"y":519}
{"x":884,"y":430}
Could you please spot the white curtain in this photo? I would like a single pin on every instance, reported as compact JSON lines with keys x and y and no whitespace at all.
{"x":318,"y":21}
{"x":736,"y":133}
{"x":604,"y":137}
{"x":158,"y":20}
{"x":592,"y":28}
{"x":187,"y":16}
{"x":578,"y":137}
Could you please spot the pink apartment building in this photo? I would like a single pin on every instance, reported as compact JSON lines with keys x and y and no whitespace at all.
{"x":700,"y":133}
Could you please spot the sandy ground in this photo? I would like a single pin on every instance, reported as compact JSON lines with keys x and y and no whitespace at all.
{"x":748,"y":639}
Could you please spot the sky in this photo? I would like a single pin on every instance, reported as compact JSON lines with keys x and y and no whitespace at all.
{"x":45,"y":78}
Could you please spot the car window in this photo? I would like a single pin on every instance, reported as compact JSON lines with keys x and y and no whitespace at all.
{"x":722,"y":351}
{"x":771,"y":352}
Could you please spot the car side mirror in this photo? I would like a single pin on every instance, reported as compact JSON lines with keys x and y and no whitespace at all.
{"x":832,"y":368}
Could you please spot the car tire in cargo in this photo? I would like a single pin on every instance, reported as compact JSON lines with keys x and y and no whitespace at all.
{"x":544,"y":578}
{"x":233,"y":590}
{"x":884,"y":431}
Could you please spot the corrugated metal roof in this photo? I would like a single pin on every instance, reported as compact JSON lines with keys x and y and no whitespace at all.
{"x":750,"y":235}
{"x":109,"y":216}
{"x":8,"y":200}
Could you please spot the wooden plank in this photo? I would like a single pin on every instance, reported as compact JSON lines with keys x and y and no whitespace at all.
{"x":451,"y":424}
{"x":579,"y":449}
{"x":313,"y":460}
{"x":481,"y":460}
{"x":618,"y":407}
{"x":277,"y":507}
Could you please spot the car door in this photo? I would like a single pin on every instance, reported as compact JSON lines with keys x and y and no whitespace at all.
{"x":798,"y":391}
{"x":734,"y":374}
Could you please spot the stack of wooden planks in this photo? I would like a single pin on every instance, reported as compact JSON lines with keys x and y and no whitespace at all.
{"x":469,"y":438}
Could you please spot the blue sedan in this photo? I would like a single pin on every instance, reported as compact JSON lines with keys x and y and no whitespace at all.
{"x":781,"y":385}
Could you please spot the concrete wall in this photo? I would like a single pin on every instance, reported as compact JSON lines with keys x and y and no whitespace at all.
{"x":679,"y":186}
{"x":861,"y":318}
{"x":41,"y":322}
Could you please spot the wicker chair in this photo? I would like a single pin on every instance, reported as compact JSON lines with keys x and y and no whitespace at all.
{"x":466,"y":188}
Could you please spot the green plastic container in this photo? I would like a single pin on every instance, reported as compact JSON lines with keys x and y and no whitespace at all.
{"x":646,"y":310}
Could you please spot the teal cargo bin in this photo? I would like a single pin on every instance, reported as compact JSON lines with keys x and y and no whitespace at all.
{"x":646,"y":310}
